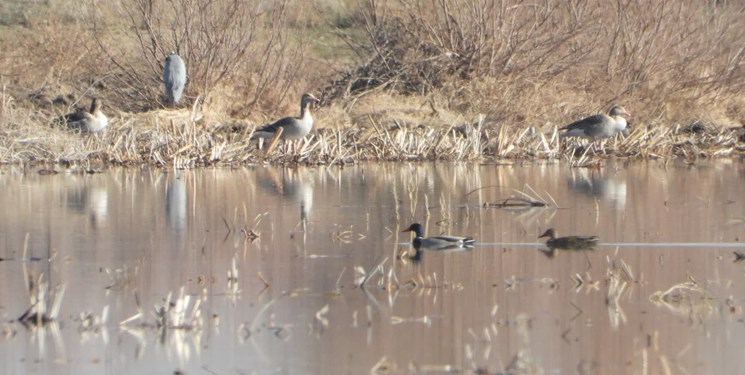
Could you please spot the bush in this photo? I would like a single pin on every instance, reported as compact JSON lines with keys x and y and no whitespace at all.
{"x":234,"y":47}
{"x":663,"y":51}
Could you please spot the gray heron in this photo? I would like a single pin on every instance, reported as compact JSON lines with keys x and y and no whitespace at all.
{"x":174,"y":77}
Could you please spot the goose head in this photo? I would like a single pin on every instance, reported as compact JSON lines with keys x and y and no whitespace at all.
{"x":95,"y":106}
{"x":308,"y":98}
{"x":617,"y":110}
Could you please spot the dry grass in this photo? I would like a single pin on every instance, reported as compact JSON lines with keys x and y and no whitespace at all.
{"x":173,"y":138}
{"x":402,"y":80}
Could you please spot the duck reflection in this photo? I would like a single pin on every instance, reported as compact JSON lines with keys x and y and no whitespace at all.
{"x":176,"y":204}
{"x":598,"y":185}
{"x":292,"y":184}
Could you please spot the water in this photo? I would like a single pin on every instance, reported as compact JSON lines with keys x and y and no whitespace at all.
{"x":661,"y":294}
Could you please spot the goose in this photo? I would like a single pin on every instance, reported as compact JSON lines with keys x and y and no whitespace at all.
{"x":174,"y":77}
{"x":569,"y":242}
{"x":600,"y":125}
{"x":292,"y":127}
{"x":437,"y":242}
{"x":92,"y":121}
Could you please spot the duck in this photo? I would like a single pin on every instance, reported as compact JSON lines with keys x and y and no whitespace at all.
{"x":569,"y":242}
{"x":437,"y":242}
{"x":174,"y":77}
{"x":600,"y":125}
{"x":292,"y":127}
{"x":92,"y":121}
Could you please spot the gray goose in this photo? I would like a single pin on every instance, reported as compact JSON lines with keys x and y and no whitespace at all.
{"x":292,"y":127}
{"x":599,"y":126}
{"x":92,"y":121}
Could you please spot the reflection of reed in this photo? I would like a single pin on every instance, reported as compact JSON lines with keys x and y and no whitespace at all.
{"x":42,"y":317}
{"x":620,"y":279}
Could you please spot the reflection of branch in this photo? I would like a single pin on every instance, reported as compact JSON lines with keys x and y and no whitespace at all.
{"x":367,"y":276}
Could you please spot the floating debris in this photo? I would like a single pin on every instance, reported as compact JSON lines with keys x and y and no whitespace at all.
{"x":685,"y":299}
{"x":739,"y":256}
{"x":515,"y":203}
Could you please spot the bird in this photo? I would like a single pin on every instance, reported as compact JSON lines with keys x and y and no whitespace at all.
{"x":437,"y":242}
{"x":87,"y":121}
{"x":174,"y":77}
{"x":600,"y":125}
{"x":569,"y":242}
{"x":292,"y":127}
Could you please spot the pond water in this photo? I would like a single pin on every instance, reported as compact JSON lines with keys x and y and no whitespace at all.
{"x":261,"y":269}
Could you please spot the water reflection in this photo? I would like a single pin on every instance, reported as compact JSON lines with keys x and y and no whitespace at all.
{"x":599,"y":183}
{"x":167,"y":268}
{"x":292,"y":184}
{"x":176,"y":204}
{"x":89,"y":198}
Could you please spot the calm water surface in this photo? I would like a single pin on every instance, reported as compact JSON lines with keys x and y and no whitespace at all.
{"x":662,"y":294}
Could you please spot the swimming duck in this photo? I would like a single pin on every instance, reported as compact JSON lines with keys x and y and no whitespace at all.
{"x":599,"y":126}
{"x":569,"y":242}
{"x":437,"y":242}
{"x":292,"y":127}
{"x":92,"y":121}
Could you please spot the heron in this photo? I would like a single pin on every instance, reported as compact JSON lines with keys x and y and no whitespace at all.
{"x":174,"y":77}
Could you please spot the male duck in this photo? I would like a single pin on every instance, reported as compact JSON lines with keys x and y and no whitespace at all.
{"x":437,"y":242}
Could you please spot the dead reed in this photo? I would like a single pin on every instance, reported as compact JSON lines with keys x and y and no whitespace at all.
{"x":178,"y":141}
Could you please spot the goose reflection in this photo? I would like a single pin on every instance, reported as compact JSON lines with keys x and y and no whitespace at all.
{"x":595,"y":184}
{"x":176,"y":203}
{"x":292,"y":184}
{"x":90,"y":200}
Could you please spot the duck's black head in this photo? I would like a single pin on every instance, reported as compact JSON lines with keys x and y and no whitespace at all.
{"x":416,"y":228}
{"x":550,"y":233}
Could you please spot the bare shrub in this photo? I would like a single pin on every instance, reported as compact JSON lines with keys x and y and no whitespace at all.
{"x":228,"y":46}
{"x":660,"y":56}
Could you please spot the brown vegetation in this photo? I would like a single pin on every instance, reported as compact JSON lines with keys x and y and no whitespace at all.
{"x":401,"y":79}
